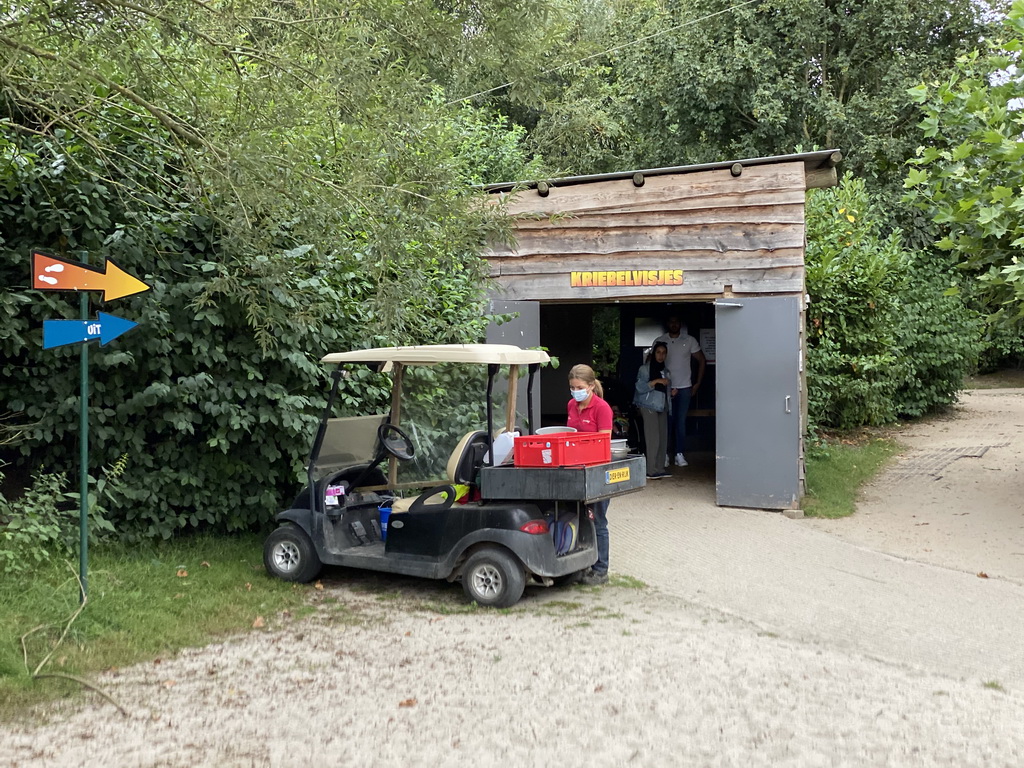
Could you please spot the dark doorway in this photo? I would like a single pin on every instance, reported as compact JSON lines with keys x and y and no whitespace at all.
{"x":580,"y":333}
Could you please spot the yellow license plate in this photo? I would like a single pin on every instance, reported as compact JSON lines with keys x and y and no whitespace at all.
{"x":616,"y":475}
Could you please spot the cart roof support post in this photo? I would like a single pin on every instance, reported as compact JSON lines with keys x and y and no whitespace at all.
{"x":492,"y":370}
{"x":513,"y":388}
{"x":396,"y":415}
{"x":533,"y":368}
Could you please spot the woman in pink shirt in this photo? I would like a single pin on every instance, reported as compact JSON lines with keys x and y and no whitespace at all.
{"x":588,"y":412}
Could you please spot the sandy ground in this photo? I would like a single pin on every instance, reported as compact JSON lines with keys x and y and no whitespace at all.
{"x":391,"y":671}
{"x":955,"y":497}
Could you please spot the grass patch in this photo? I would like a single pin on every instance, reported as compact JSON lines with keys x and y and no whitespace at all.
{"x":626,"y":582}
{"x":993,"y":685}
{"x":450,"y":608}
{"x":837,"y":470}
{"x":564,"y":605}
{"x":139,"y":608}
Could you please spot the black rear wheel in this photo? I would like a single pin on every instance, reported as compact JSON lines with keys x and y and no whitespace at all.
{"x":493,"y":578}
{"x":290,"y":555}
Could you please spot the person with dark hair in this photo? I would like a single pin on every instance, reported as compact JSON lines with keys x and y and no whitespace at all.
{"x":588,"y":412}
{"x":682,"y":348}
{"x":651,"y":398}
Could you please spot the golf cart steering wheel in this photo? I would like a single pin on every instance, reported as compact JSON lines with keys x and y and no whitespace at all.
{"x":395,"y":441}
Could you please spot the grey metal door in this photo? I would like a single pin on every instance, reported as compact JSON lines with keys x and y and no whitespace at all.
{"x":758,"y":402}
{"x":522,"y":331}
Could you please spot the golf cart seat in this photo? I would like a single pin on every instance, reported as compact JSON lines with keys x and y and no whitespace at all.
{"x":462,"y":468}
{"x":467,"y":457}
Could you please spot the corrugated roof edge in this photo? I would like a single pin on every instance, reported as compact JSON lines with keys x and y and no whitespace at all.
{"x":813,"y":161}
{"x":426,"y":354}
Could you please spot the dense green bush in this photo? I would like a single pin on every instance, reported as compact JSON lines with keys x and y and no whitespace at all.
{"x":938,"y":336}
{"x":885,"y":337}
{"x":214,"y":396}
{"x":35,"y":528}
{"x":854,"y":276}
{"x":44,"y":522}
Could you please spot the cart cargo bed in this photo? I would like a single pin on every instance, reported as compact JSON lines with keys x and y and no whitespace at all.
{"x":587,"y":484}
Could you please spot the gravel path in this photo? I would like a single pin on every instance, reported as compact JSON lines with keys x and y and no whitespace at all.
{"x":717,"y":662}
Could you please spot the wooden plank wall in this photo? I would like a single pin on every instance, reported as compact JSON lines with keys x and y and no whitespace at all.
{"x":678,"y":236}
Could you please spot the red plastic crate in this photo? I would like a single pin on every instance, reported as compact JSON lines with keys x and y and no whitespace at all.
{"x":562,"y":449}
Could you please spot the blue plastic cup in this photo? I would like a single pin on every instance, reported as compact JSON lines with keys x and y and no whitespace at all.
{"x":385,"y":513}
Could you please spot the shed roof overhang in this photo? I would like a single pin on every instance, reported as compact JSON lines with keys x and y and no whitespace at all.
{"x":819,"y":171}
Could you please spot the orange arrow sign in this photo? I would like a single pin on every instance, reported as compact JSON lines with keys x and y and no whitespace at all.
{"x":52,"y":274}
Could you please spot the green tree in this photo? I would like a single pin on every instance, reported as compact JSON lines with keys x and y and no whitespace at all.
{"x":884,"y":338}
{"x":288,"y":179}
{"x":968,"y":177}
{"x":690,"y":81}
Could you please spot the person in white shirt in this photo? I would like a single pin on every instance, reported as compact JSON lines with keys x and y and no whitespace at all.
{"x":682,"y":348}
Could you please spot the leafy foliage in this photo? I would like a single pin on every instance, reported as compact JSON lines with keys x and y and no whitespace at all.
{"x":277,"y":209}
{"x":969,"y":175}
{"x":884,"y":337}
{"x":42,"y":525}
{"x":854,"y":275}
{"x":938,"y":336}
{"x":710,"y":80}
{"x":34,"y":529}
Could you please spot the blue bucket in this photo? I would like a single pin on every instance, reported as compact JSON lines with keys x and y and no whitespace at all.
{"x":385,"y":513}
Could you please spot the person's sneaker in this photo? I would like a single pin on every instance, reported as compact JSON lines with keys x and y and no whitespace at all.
{"x":680,"y":460}
{"x":594,"y":578}
{"x":658,"y":475}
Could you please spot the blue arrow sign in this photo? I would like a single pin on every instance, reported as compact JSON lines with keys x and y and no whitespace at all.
{"x":106,"y":328}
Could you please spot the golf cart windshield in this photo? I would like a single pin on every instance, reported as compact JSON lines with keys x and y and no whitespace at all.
{"x":349,"y":441}
{"x":440,"y":394}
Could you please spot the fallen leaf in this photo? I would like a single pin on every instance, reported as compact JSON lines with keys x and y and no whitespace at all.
{"x":182,"y":573}
{"x":408,"y":634}
{"x":408,"y":703}
{"x":179,"y":596}
{"x":982,"y":575}
{"x":248,"y":587}
{"x":258,"y":623}
{"x":204,"y":564}
{"x":157,"y":661}
{"x":318,"y":585}
{"x":170,"y":683}
{"x":598,"y":688}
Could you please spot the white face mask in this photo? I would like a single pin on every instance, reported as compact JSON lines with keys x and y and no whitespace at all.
{"x":579,"y":395}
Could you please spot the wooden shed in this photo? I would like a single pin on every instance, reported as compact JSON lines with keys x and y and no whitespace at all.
{"x":729,"y":236}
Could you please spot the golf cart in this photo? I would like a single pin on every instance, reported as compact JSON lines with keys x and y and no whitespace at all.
{"x":423,"y":483}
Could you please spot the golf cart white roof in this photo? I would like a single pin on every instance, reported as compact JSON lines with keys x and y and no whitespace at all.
{"x":427,"y":354}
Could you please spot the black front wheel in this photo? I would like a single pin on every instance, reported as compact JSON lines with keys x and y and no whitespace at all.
{"x":290,"y":555}
{"x":493,"y":578}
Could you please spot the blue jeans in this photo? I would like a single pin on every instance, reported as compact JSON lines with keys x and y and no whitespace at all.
{"x":600,"y":509}
{"x":677,"y":419}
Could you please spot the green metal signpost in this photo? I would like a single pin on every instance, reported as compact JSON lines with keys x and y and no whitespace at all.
{"x":50,"y":273}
